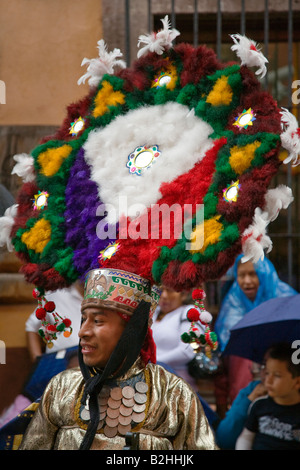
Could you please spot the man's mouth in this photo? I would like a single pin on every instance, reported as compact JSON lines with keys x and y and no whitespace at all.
{"x":87,"y":348}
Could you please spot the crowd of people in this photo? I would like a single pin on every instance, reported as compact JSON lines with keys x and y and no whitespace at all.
{"x":257,"y":406}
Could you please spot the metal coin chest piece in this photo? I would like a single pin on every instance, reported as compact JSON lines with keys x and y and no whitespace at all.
{"x":110,"y":432}
{"x":85,"y":414}
{"x":140,"y":398}
{"x":141,"y":387}
{"x":121,"y":409}
{"x":128,"y":392}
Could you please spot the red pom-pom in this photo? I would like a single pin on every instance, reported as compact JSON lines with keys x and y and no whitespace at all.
{"x":51,"y":328}
{"x":49,"y":306}
{"x":67,"y":322}
{"x":193,"y":314}
{"x":40,"y":313}
{"x":198,"y":294}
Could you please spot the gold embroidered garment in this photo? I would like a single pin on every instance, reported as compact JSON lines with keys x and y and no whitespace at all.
{"x":172,"y":418}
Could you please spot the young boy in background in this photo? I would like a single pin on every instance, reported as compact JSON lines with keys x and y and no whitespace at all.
{"x":273,"y":421}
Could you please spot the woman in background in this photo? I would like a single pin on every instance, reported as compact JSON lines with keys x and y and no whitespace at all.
{"x":253,"y":284}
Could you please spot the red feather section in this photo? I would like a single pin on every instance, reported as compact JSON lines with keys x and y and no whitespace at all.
{"x":197,"y":63}
{"x":43,"y":275}
{"x":262,"y":103}
{"x":25,"y":212}
{"x":137,"y":255}
{"x":74,"y":111}
{"x":185,"y":276}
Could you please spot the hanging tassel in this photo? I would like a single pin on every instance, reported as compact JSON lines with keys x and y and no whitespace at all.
{"x":48,"y":330}
{"x":160,"y":41}
{"x":290,"y":137}
{"x":194,"y":336}
{"x":105,"y":63}
{"x":247,"y":50}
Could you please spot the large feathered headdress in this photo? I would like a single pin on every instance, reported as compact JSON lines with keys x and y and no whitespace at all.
{"x":162,"y":170}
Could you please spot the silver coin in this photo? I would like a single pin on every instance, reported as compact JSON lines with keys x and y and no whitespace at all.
{"x":125,"y":410}
{"x":140,"y":398}
{"x":85,"y":414}
{"x":141,"y":387}
{"x":128,"y":402}
{"x":113,"y":412}
{"x":113,"y":403}
{"x":139,"y":408}
{"x":116,"y":393}
{"x":110,"y":432}
{"x":138,"y":417}
{"x":128,"y":392}
{"x":124,"y":429}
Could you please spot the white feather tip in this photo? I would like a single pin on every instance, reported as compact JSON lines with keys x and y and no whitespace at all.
{"x":290,"y":137}
{"x":160,"y":41}
{"x":255,"y":240}
{"x":249,"y":53}
{"x":6,"y":224}
{"x":24,"y":167}
{"x":105,"y":63}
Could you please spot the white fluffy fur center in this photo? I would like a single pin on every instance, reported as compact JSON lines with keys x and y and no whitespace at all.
{"x":183,"y":140}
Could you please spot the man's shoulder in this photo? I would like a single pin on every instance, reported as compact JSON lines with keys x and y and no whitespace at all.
{"x":167,"y":377}
{"x":160,"y":370}
{"x":68,"y":376}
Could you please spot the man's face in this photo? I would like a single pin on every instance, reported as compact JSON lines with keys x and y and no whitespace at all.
{"x":99,"y":334}
{"x":247,"y":279}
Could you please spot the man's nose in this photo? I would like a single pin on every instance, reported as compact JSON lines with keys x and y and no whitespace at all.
{"x":85,"y":329}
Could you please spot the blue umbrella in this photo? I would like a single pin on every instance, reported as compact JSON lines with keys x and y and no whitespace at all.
{"x":270,"y":322}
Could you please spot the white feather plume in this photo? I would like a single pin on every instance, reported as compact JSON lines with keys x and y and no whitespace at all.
{"x":105,"y":63}
{"x":24,"y":167}
{"x":275,"y":200}
{"x":158,"y":42}
{"x":165,"y":125}
{"x":290,"y":137}
{"x":247,"y":50}
{"x":6,"y":224}
{"x":255,"y":240}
